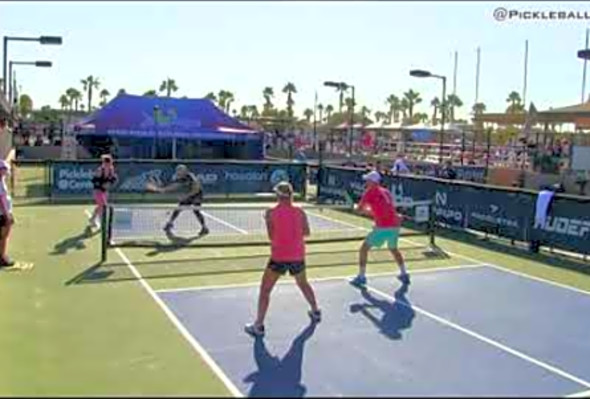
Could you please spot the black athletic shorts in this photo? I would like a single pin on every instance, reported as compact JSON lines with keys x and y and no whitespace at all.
{"x":196,"y":199}
{"x":294,"y":268}
{"x":3,"y":221}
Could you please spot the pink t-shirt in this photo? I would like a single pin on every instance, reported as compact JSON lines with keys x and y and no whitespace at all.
{"x":288,"y":239}
{"x":382,"y":206}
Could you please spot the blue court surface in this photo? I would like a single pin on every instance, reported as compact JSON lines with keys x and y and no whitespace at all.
{"x":475,"y":331}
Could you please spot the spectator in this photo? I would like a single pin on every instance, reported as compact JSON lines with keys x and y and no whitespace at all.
{"x":448,"y":172}
{"x":399,"y":166}
{"x":6,"y":217}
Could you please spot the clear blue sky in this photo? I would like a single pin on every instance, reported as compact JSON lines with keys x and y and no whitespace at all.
{"x":245,"y":46}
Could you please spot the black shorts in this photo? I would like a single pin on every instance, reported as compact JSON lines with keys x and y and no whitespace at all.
{"x":3,"y":221}
{"x":196,"y":199}
{"x":294,"y":268}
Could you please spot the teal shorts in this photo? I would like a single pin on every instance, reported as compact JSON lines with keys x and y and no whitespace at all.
{"x":380,"y":236}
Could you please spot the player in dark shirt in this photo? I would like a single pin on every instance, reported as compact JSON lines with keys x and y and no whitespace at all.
{"x":103,"y":179}
{"x":186,"y":181}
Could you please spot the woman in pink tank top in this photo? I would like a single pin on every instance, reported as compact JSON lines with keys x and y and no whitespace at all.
{"x":287,"y":226}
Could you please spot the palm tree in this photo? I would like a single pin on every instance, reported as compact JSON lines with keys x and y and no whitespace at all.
{"x":89,"y":84}
{"x":308,"y":113}
{"x":453,"y":101}
{"x":420,"y":117}
{"x":479,"y":108}
{"x":329,"y":110}
{"x":394,"y":107}
{"x":515,"y":103}
{"x":150,"y":93}
{"x":244,"y":111}
{"x":379,"y":116}
{"x":25,"y":105}
{"x":435,"y":103}
{"x":365,"y":112}
{"x":169,"y":86}
{"x":253,"y":110}
{"x":234,"y":112}
{"x":104,"y":94}
{"x":341,"y":90}
{"x":228,"y":100}
{"x":121,"y":92}
{"x":412,"y":99}
{"x":320,"y":108}
{"x":268,"y":94}
{"x":222,"y":99}
{"x":404,"y":105}
{"x":290,"y":90}
{"x":75,"y":96}
{"x":64,"y":102}
{"x":211,"y":97}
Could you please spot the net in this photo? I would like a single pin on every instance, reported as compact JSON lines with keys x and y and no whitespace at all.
{"x":244,"y":225}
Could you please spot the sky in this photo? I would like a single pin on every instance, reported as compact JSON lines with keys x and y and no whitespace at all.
{"x":245,"y":46}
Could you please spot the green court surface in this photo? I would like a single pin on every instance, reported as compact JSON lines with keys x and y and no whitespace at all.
{"x":72,"y":326}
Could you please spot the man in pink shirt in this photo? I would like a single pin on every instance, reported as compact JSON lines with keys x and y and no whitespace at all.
{"x":378,"y":203}
{"x":287,"y":226}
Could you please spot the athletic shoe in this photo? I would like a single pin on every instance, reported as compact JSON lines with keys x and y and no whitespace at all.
{"x":204,"y":231}
{"x":315,"y":316}
{"x":254,"y":330}
{"x":404,"y":278}
{"x":6,"y":262}
{"x":359,"y":281}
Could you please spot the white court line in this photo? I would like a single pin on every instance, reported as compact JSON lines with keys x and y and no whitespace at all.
{"x":224,"y":223}
{"x":355,"y":227}
{"x":489,"y":341}
{"x":504,"y":269}
{"x":584,"y":394}
{"x":318,"y":279}
{"x":183,"y":331}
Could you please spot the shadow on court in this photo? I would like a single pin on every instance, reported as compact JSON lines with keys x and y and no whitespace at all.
{"x":92,"y":274}
{"x":278,"y":377}
{"x":395,"y":317}
{"x":74,"y":243}
{"x":175,"y":243}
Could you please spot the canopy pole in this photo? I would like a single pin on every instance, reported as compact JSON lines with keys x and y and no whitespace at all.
{"x":174,"y":148}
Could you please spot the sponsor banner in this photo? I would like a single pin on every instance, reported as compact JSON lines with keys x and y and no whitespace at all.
{"x":567,"y":226}
{"x":71,"y":178}
{"x":339,"y":184}
{"x":503,"y":213}
{"x":469,"y":173}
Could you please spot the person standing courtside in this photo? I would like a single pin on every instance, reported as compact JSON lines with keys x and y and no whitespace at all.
{"x":6,"y":217}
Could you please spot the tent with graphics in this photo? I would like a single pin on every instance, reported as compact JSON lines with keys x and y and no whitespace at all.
{"x":142,"y":127}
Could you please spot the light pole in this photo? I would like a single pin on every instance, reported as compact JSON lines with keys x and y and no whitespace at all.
{"x":346,"y":86}
{"x":418,"y":73}
{"x":42,"y":40}
{"x":38,"y":64}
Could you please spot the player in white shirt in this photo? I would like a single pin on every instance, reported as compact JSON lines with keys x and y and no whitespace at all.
{"x":399,"y":166}
{"x":6,"y":217}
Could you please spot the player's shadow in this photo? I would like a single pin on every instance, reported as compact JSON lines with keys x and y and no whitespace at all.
{"x":278,"y":377}
{"x":175,"y":243}
{"x":74,"y":243}
{"x":395,"y":317}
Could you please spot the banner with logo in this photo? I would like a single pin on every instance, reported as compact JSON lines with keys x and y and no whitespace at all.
{"x":74,"y":178}
{"x":567,"y":226}
{"x":468,"y":173}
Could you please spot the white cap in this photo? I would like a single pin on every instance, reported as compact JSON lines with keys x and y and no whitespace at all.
{"x":373,"y":176}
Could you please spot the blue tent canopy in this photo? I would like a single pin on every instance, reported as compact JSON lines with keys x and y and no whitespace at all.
{"x":143,"y":117}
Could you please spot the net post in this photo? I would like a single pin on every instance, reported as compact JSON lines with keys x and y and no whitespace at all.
{"x":104,"y":234}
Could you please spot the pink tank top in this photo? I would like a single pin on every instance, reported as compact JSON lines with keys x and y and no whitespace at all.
{"x":288,"y":240}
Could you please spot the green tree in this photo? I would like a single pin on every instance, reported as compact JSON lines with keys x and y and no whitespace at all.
{"x":341,"y":103}
{"x":412,"y":98}
{"x":244,"y":112}
{"x":308,"y":113}
{"x":64,"y":102}
{"x":222,"y":97}
{"x":404,"y":105}
{"x":228,"y":100}
{"x":104,"y":95}
{"x":420,"y":117}
{"x":329,"y":110}
{"x":89,"y":84}
{"x":380,"y":116}
{"x":365,"y":112}
{"x":211,"y":97}
{"x":479,"y":108}
{"x":394,"y":107}
{"x":320,"y":108}
{"x":169,"y":86}
{"x":25,"y":105}
{"x":75,"y":97}
{"x":253,"y":111}
{"x":268,"y":94}
{"x":453,"y":102}
{"x":515,"y":101}
{"x":290,"y":89}
{"x":121,"y":92}
{"x":150,"y":93}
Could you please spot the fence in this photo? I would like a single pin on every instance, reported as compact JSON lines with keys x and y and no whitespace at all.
{"x":72,"y":179}
{"x":505,"y":212}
